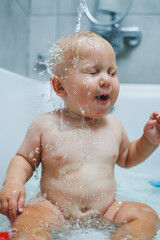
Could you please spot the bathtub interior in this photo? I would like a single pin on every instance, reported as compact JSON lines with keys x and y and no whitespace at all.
{"x":129,"y":187}
{"x":24,"y":98}
{"x":134,"y":106}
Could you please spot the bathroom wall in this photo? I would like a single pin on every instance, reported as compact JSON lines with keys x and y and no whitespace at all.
{"x":33,"y":24}
{"x":14,"y":35}
{"x":50,"y":20}
{"x":141,"y":64}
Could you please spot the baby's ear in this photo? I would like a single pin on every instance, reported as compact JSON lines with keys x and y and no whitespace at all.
{"x":57,"y":86}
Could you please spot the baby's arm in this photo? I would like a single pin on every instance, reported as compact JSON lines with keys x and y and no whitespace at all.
{"x":21,"y":167}
{"x":133,"y":153}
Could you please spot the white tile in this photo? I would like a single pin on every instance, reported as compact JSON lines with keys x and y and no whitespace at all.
{"x":42,"y":33}
{"x":68,"y":6}
{"x":85,"y":23}
{"x":14,"y":37}
{"x":70,"y":23}
{"x":71,"y":6}
{"x":141,"y":64}
{"x":44,"y":6}
{"x":66,"y":25}
{"x":146,"y":6}
{"x":113,"y":5}
{"x":25,"y":5}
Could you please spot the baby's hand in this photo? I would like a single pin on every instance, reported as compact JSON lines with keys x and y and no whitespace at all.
{"x":12,"y":199}
{"x":152,"y":129}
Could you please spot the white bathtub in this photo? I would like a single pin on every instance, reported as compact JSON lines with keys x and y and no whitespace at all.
{"x":20,"y":102}
{"x":22,"y":99}
{"x":134,"y":106}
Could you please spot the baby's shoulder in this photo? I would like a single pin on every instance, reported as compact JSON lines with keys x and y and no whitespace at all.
{"x":43,"y":121}
{"x":117,"y":125}
{"x":114,"y":120}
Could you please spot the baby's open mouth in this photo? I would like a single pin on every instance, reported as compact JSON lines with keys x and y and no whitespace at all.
{"x":103,"y":97}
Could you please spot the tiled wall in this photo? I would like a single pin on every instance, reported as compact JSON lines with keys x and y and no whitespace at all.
{"x":141,"y":64}
{"x":51,"y":19}
{"x":49,"y":22}
{"x":14,"y":35}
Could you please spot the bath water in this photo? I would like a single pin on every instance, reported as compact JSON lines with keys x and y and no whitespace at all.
{"x":137,"y":189}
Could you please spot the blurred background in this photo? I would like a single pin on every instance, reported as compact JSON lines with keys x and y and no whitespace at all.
{"x":27,"y":28}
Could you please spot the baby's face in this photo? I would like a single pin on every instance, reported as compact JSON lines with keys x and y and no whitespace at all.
{"x":92,"y":84}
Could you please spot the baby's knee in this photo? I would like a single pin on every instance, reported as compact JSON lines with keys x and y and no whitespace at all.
{"x":38,"y":219}
{"x":150,"y":215}
{"x":143,"y":211}
{"x":131,"y":211}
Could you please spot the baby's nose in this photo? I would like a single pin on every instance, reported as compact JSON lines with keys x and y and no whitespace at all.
{"x":104,"y":81}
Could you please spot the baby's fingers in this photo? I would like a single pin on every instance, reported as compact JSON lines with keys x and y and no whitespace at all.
{"x":21,"y":202}
{"x":158,"y":118}
{"x":153,"y":120}
{"x":12,"y":209}
{"x":4,"y":208}
{"x":154,"y":116}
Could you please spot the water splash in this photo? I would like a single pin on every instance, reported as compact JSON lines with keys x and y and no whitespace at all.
{"x":36,"y":174}
{"x":91,"y":229}
{"x":55,"y":58}
{"x":80,"y":11}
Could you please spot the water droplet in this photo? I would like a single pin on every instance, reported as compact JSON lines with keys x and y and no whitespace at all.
{"x":75,"y":61}
{"x":36,"y":176}
{"x":82,"y":111}
{"x":120,"y":203}
{"x":31,"y":154}
{"x":44,"y":195}
{"x":37,"y":150}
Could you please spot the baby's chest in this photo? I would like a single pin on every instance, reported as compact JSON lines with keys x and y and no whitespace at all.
{"x":79,"y":146}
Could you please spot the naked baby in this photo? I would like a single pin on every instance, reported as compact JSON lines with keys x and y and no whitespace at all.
{"x":78,"y":147}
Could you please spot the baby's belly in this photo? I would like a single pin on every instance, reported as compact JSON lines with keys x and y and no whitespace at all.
{"x":80,"y":195}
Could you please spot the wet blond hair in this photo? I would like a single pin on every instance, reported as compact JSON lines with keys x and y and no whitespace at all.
{"x":65,"y":51}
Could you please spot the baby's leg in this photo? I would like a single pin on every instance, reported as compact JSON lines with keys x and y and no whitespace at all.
{"x":138,"y":220}
{"x":37,"y":220}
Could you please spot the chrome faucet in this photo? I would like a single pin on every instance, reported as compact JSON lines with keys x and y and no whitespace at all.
{"x":112,"y":31}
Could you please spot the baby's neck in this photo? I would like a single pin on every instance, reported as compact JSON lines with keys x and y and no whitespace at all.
{"x":82,"y":119}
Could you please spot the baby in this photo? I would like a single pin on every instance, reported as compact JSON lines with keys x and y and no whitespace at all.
{"x":78,"y":147}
